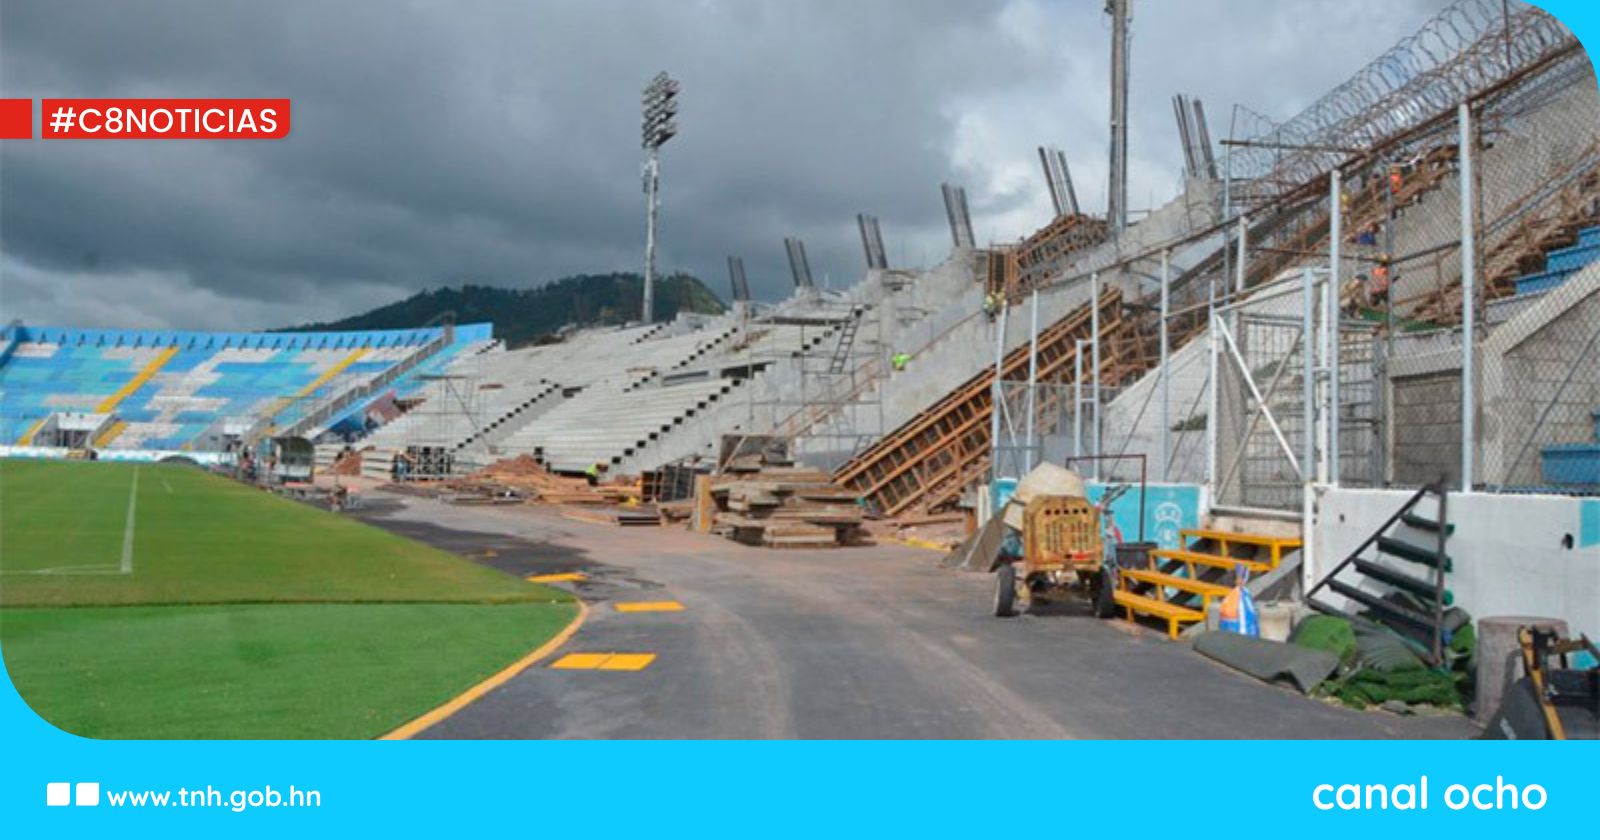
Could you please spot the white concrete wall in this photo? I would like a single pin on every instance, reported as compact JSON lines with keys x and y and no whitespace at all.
{"x":1510,"y":552}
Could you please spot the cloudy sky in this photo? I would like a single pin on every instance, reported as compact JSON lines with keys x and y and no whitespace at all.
{"x":497,"y":142}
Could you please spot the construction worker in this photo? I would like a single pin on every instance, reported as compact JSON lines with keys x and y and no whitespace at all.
{"x":899,"y":361}
{"x":1378,"y":284}
{"x":993,"y":302}
{"x":593,"y":473}
{"x":1368,"y":238}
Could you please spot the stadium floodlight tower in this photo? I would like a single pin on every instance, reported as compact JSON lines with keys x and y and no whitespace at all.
{"x":660,"y":106}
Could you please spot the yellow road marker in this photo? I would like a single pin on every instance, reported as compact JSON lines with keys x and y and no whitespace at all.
{"x":604,"y":661}
{"x":649,"y":606}
{"x":563,"y":577}
{"x":459,"y":702}
{"x":581,"y":661}
{"x":628,"y":662}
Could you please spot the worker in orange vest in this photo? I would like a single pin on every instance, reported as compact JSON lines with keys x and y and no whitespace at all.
{"x":1378,"y":285}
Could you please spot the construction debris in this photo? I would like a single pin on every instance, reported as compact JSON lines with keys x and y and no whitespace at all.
{"x":779,"y":505}
{"x":525,"y":479}
{"x":348,"y":463}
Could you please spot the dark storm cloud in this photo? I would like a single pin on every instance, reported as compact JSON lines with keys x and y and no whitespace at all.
{"x":437,"y":142}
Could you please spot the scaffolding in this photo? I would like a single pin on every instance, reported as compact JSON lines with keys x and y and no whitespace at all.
{"x":454,"y":411}
{"x":842,"y":352}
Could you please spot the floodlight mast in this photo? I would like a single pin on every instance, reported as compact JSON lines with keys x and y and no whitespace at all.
{"x":659,"y":106}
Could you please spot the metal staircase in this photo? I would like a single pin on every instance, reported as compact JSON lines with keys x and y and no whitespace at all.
{"x":1408,"y":597}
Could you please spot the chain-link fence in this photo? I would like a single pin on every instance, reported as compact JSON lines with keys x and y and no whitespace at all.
{"x":1532,"y":383}
{"x":1519,"y":413}
{"x":1368,"y":191}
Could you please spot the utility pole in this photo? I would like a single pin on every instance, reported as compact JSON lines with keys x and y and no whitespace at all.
{"x":1117,"y":194}
{"x":660,"y":106}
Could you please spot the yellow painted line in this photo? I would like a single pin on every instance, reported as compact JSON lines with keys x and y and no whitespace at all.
{"x":338,"y":367}
{"x":111,"y":432}
{"x":563,"y":577}
{"x":604,"y":662}
{"x":649,"y":606}
{"x":462,"y":700}
{"x":27,"y":437}
{"x":109,"y":404}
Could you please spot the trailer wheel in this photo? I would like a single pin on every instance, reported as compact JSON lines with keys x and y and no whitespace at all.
{"x":1005,"y":591}
{"x":1105,"y":590}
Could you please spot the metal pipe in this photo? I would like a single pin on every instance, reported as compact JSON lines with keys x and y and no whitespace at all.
{"x":1320,"y":400}
{"x":652,"y":176}
{"x":1094,"y":330}
{"x":1469,"y":281}
{"x":1212,"y":339}
{"x":1308,"y":282}
{"x":1336,"y":347}
{"x":1117,"y":192}
{"x":1238,"y":283}
{"x":1077,"y":397}
{"x":1308,"y":384}
{"x":1166,"y":373}
{"x":1033,"y":379}
{"x":996,"y":395}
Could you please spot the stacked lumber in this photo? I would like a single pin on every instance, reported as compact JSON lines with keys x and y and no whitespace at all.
{"x":347,"y":463}
{"x":785,"y":507}
{"x":624,"y":516}
{"x":528,"y":479}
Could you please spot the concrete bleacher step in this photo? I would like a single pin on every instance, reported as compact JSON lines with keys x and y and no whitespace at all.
{"x":1573,"y":258}
{"x":1570,"y":465}
{"x":1544,"y":281}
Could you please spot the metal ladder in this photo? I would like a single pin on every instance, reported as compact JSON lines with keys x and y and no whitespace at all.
{"x":847,"y":340}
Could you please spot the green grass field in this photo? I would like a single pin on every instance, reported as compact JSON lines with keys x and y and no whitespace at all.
{"x":217,"y":611}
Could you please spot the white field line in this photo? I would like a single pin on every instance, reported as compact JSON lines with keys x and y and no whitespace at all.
{"x":127,"y":530}
{"x":164,"y":483}
{"x":125,"y":568}
{"x":67,"y":570}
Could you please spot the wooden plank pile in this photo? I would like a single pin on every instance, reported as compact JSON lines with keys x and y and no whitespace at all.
{"x":623,"y":515}
{"x":784,"y":506}
{"x":528,"y":479}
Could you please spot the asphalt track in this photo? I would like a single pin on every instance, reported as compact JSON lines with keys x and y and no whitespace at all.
{"x":875,"y":642}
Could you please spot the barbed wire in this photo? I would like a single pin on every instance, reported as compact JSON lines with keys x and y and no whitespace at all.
{"x":1470,"y":46}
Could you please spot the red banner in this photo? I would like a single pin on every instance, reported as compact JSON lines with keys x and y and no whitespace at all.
{"x":165,"y":119}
